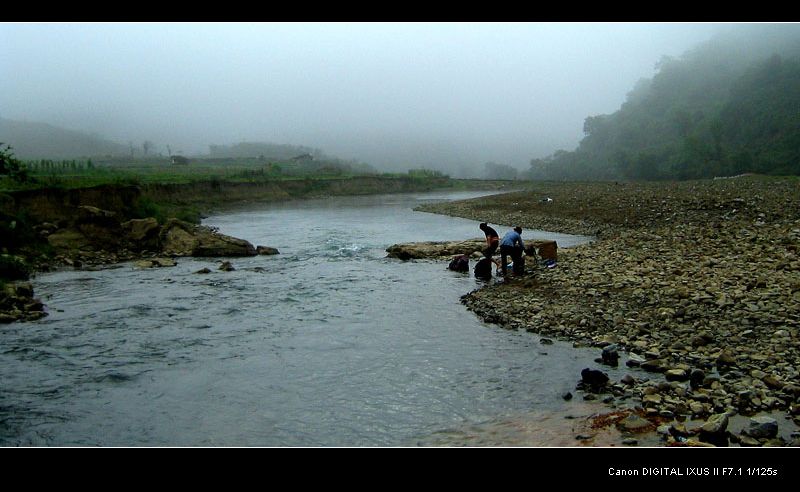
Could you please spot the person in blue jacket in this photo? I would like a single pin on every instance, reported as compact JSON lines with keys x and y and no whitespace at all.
{"x":512,"y":246}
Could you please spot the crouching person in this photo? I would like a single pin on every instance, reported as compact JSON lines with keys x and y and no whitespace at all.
{"x":512,"y":246}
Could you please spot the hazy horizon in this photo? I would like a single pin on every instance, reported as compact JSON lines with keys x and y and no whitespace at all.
{"x":394,"y":95}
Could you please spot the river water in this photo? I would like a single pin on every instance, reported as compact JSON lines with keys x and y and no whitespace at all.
{"x":329,"y":343}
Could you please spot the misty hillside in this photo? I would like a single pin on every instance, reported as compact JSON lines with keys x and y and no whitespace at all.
{"x":265,"y":149}
{"x":31,"y":140}
{"x":729,"y":106}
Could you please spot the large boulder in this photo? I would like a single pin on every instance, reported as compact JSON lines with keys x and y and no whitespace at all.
{"x":179,"y":238}
{"x":69,"y":240}
{"x":142,"y":234}
{"x":593,"y":379}
{"x":435,"y":249}
{"x":101,"y":227}
{"x":762,"y":427}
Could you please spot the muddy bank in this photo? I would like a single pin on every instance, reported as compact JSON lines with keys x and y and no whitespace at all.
{"x":697,"y":281}
{"x":88,"y":237}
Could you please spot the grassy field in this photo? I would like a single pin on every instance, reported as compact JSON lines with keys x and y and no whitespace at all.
{"x":81,"y":174}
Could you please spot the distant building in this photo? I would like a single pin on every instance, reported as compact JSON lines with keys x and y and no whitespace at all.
{"x":303,"y":157}
{"x":179,"y":159}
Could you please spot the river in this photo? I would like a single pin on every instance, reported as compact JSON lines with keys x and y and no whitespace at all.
{"x":329,"y":343}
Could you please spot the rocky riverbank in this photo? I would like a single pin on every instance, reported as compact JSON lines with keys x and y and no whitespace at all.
{"x":697,"y":282}
{"x":94,"y":237}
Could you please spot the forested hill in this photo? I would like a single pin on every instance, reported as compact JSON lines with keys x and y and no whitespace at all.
{"x":729,"y":106}
{"x":30,"y":140}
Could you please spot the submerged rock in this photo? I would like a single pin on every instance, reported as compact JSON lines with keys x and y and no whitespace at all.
{"x":155,"y":263}
{"x":266,"y":250}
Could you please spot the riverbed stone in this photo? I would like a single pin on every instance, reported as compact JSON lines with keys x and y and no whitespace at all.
{"x":676,"y":375}
{"x":715,"y":424}
{"x":594,"y":379}
{"x":762,"y":427}
{"x":747,"y":441}
{"x":726,"y":359}
{"x":654,"y":365}
{"x":610,"y":354}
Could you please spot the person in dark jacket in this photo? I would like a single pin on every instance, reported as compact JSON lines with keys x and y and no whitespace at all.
{"x":492,"y":242}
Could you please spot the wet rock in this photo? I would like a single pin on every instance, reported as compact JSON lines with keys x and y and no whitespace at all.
{"x":155,"y":263}
{"x":747,"y":441}
{"x":226,"y":266}
{"x":653,"y":399}
{"x":142,"y":234}
{"x":164,"y":262}
{"x":36,"y":305}
{"x":266,"y":250}
{"x":772,"y":382}
{"x":434,"y":249}
{"x":546,"y":341}
{"x":715,"y":424}
{"x":68,"y":240}
{"x":702,"y":339}
{"x":697,"y":408}
{"x":610,"y":355}
{"x":654,"y":365}
{"x":726,"y":359}
{"x":635,"y":423}
{"x":652,"y":354}
{"x":20,"y":289}
{"x":567,"y":396}
{"x":630,"y":441}
{"x":676,"y":375}
{"x":628,"y":380}
{"x":179,"y":238}
{"x":696,"y":378}
{"x":594,"y":379}
{"x":762,"y":427}
{"x":203,"y":270}
{"x":634,"y":360}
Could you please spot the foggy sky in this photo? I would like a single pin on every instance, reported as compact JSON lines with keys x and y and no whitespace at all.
{"x":395,"y":95}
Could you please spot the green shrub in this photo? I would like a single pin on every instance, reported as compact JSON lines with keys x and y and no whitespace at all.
{"x":146,"y":207}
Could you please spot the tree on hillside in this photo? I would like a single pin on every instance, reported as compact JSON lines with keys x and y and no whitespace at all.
{"x":727,"y":107}
{"x":10,"y":166}
{"x":492,"y":170}
{"x":147,"y":145}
